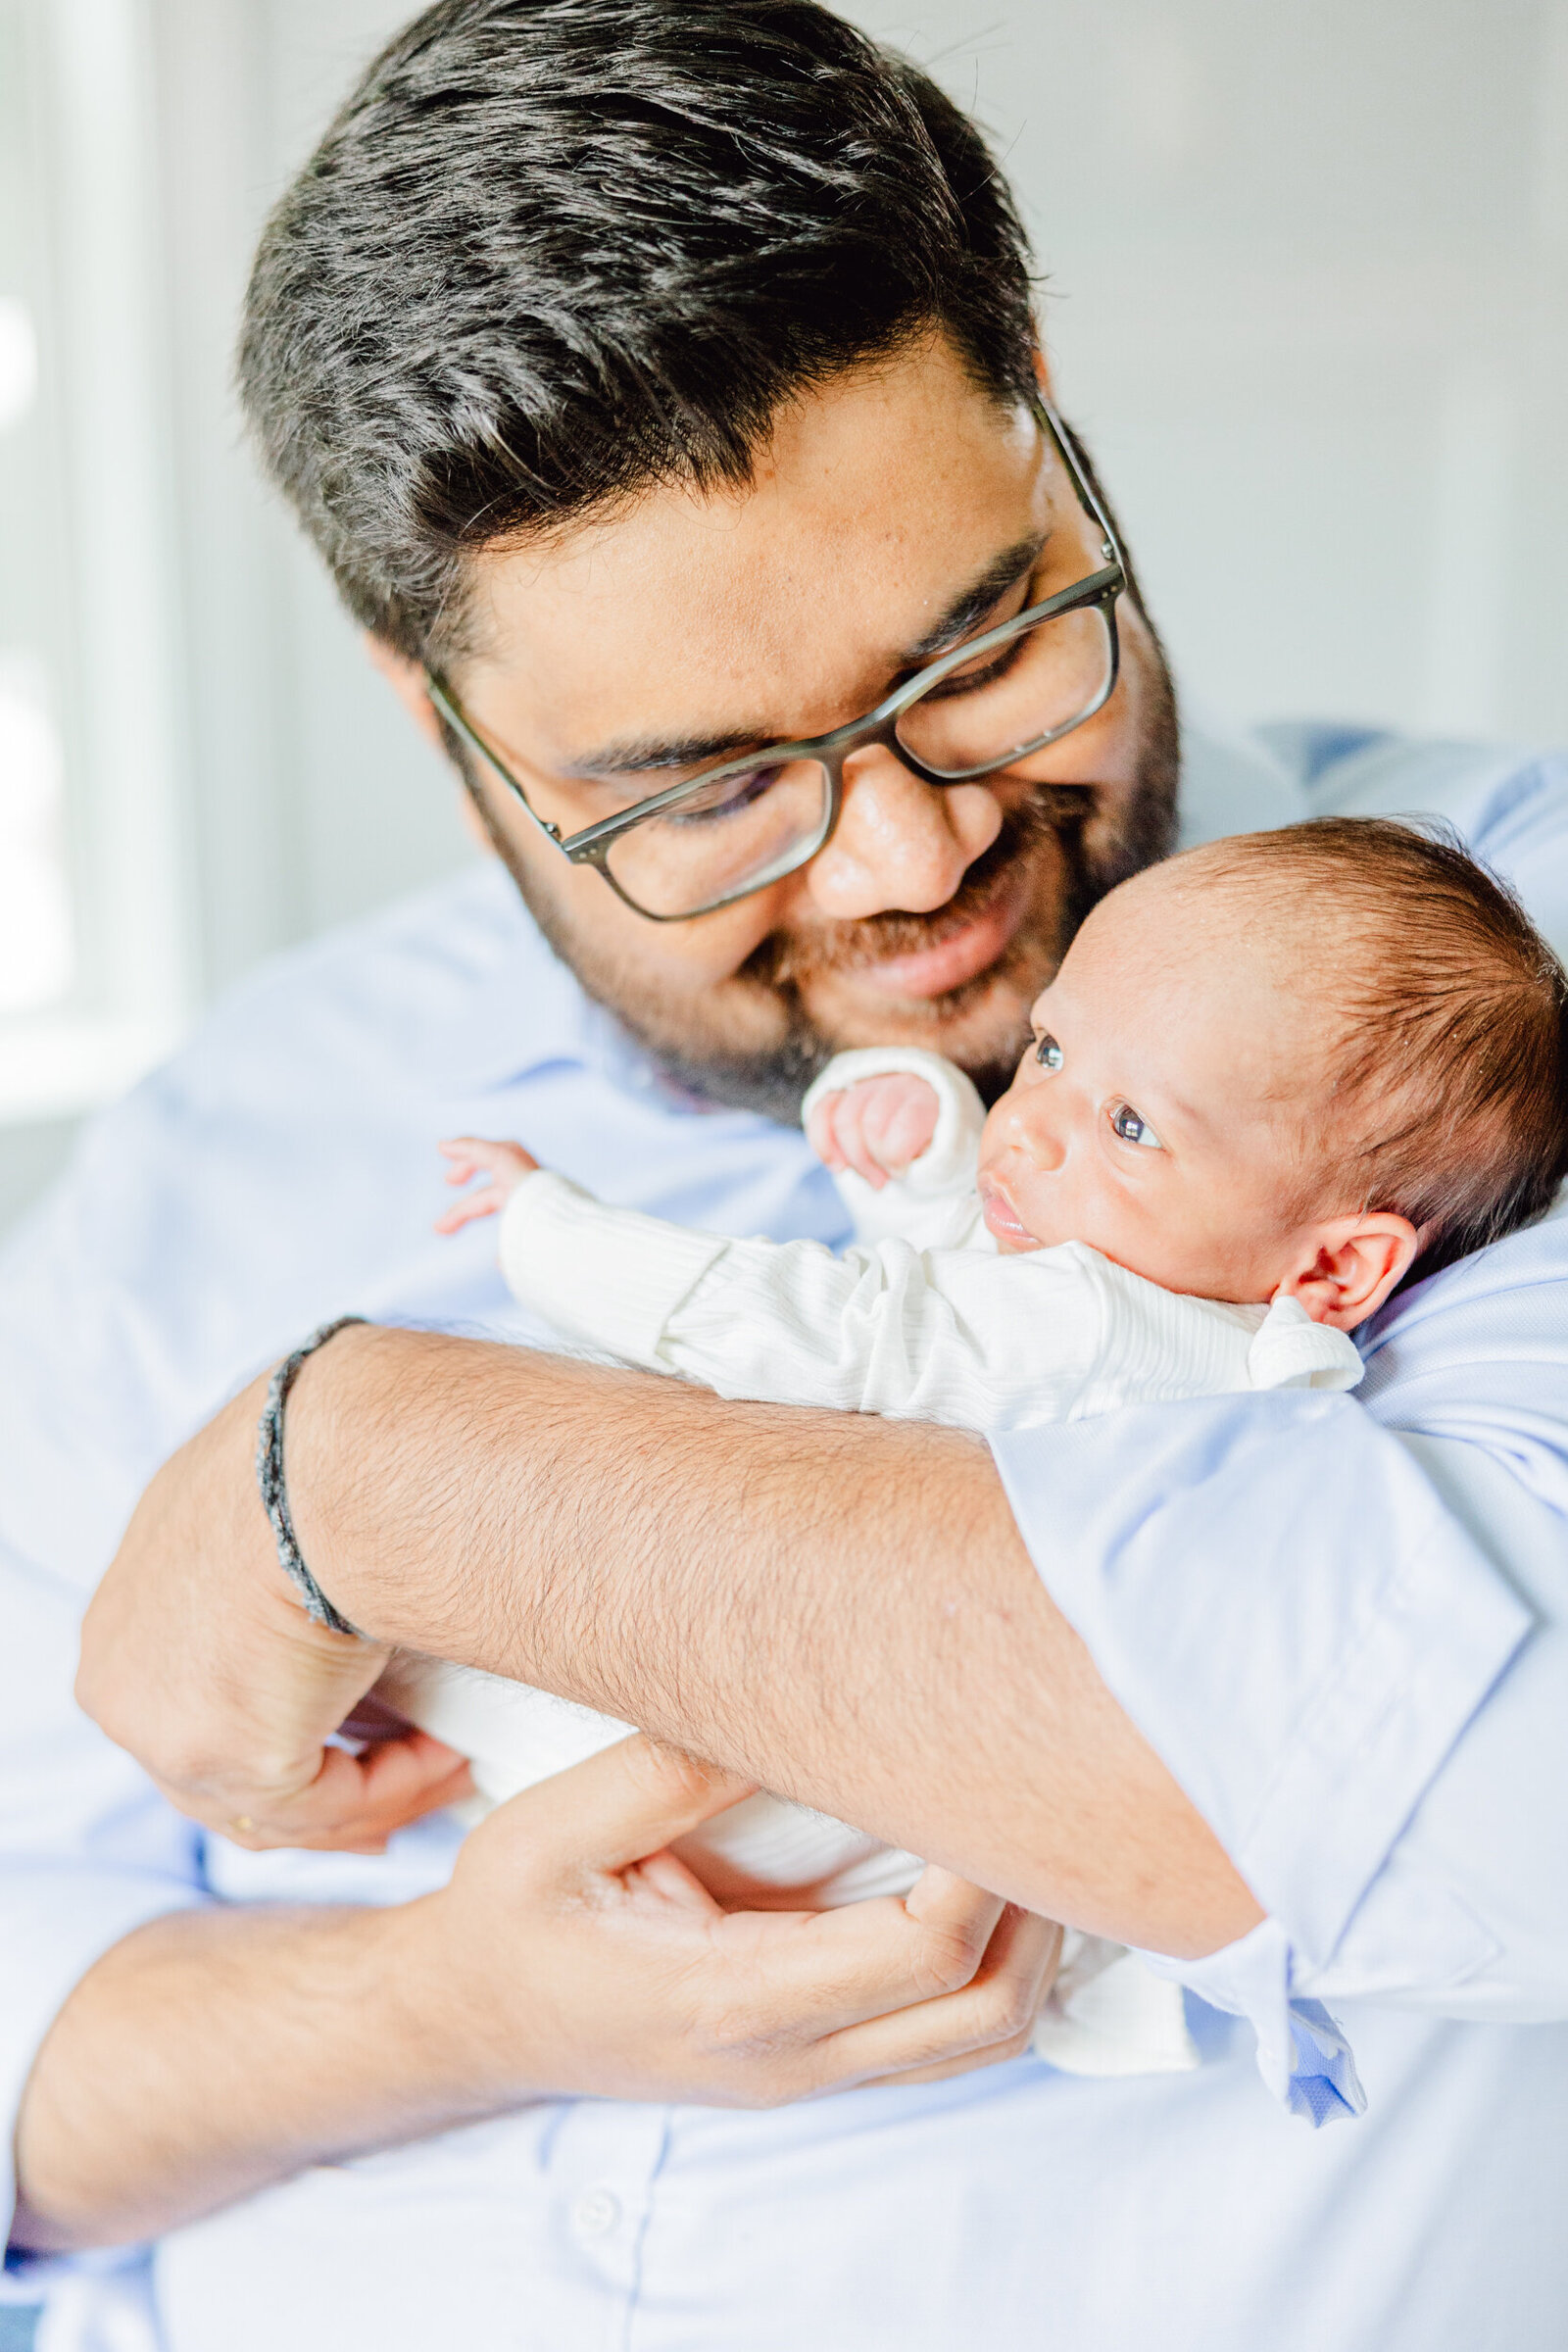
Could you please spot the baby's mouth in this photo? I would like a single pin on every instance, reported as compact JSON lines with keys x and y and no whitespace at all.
{"x":1001,"y":1218}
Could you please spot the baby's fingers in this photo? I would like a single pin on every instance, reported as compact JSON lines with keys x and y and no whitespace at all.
{"x":820,"y":1132}
{"x":900,"y":1118}
{"x":848,"y":1113}
{"x":481,"y":1204}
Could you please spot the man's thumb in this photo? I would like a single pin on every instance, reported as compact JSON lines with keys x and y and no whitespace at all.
{"x":633,"y":1800}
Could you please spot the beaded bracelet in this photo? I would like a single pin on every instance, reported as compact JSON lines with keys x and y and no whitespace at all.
{"x":274,"y":1494}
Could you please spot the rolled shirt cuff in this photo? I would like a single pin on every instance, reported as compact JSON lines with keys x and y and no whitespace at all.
{"x":1303,"y":2054}
{"x":1274,"y":1594}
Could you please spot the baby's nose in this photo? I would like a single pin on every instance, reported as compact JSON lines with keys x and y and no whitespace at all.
{"x":1027,"y":1125}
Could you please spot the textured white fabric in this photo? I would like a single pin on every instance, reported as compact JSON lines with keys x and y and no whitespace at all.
{"x":954,"y":1333}
{"x":958,"y":1334}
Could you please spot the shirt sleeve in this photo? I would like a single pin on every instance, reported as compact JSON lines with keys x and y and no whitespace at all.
{"x":1343,"y":1632}
{"x":1340,"y":1624}
{"x":942,"y":1178}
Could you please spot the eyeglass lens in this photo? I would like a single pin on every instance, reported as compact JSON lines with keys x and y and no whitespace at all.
{"x":1037,"y":685}
{"x":754,"y":827}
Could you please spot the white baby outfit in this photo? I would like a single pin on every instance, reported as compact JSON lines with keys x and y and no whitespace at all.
{"x":923,"y":1318}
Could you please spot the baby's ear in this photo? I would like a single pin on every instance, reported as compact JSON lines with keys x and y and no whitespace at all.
{"x":1346,"y":1268}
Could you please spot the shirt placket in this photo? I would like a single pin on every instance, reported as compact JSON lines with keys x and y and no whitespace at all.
{"x":602,"y":2163}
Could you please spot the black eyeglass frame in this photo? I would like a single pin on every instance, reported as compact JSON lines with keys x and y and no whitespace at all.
{"x":592,"y":845}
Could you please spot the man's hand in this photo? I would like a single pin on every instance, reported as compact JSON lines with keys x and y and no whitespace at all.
{"x":218,"y":2050}
{"x":198,"y":1658}
{"x":572,"y":1951}
{"x":878,"y":1127}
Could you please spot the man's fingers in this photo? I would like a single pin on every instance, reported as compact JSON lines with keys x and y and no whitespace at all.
{"x":986,"y":2053}
{"x":946,"y":1905}
{"x":825,"y":1971}
{"x":402,"y":1780}
{"x":619,"y":1808}
{"x":352,"y":1803}
{"x":994,"y":2011}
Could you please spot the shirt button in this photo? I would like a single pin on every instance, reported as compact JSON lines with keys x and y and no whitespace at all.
{"x":596,"y":2214}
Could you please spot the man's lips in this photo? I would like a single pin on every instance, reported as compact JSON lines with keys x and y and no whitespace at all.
{"x":948,"y":962}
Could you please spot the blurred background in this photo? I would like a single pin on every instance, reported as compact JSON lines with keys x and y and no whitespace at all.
{"x":1306,"y":290}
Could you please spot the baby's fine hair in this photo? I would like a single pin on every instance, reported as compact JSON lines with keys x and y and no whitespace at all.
{"x":1450,"y":1102}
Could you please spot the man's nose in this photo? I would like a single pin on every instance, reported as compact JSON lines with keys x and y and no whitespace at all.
{"x":899,"y":845}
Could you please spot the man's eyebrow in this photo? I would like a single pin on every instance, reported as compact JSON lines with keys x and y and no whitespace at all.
{"x":638,"y":755}
{"x":971,"y":606}
{"x":646,"y":755}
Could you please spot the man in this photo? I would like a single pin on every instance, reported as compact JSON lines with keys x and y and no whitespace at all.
{"x":660,"y":382}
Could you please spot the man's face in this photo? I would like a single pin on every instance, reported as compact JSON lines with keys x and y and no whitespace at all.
{"x":778,"y":611}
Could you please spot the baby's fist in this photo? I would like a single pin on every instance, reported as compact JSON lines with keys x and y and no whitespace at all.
{"x":878,"y":1127}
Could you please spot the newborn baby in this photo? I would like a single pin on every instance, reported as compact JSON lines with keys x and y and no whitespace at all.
{"x":1270,"y":1076}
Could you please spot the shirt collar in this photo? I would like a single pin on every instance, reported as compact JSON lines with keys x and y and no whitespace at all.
{"x":521,"y":1008}
{"x":1232,"y":782}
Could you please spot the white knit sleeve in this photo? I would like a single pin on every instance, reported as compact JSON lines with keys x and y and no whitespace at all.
{"x":607,"y":1277}
{"x":959,"y":1336}
{"x":943,"y":1334}
{"x":943,"y":1177}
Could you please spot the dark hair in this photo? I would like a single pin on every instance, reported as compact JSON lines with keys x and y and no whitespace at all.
{"x":1452,"y":1045}
{"x":551,"y":251}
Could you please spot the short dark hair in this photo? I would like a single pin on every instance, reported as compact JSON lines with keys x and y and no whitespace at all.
{"x":1451,"y":1087}
{"x":552,"y":251}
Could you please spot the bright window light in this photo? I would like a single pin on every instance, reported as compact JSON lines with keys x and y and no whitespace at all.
{"x":36,"y":947}
{"x":95,"y":896}
{"x":18,"y":362}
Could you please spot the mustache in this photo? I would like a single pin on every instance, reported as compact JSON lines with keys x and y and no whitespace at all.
{"x":785,"y":961}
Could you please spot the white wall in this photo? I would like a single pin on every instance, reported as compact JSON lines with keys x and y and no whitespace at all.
{"x":1306,"y":292}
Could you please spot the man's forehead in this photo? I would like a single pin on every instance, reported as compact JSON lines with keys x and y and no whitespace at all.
{"x":887,"y":510}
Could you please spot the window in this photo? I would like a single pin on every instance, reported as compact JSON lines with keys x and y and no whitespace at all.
{"x":94,"y":957}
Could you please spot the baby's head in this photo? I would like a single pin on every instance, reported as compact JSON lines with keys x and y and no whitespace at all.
{"x":1297,"y":1060}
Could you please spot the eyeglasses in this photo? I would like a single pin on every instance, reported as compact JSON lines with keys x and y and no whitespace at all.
{"x":720,"y":833}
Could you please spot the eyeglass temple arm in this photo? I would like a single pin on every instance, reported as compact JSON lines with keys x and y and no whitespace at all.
{"x":457,"y":719}
{"x":1088,"y":496}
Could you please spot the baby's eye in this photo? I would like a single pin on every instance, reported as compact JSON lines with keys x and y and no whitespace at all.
{"x":1134,"y":1130}
{"x":1049,"y":1054}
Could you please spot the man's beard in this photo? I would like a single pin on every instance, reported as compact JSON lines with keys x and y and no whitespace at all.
{"x":1091,"y":842}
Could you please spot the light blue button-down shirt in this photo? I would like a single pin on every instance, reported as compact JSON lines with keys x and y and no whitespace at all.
{"x":1339,"y":1621}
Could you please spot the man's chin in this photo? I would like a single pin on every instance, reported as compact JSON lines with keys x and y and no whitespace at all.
{"x":982,"y":1025}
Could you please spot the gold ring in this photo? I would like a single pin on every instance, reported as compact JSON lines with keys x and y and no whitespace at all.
{"x":243,"y":1823}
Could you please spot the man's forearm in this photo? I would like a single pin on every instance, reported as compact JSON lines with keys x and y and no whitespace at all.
{"x":208,"y":2055}
{"x":836,"y":1605}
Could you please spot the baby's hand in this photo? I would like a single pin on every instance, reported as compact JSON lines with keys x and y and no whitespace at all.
{"x":505,"y":1165}
{"x":876,"y":1127}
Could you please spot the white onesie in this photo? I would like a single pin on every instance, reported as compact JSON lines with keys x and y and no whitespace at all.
{"x":921,"y":1318}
